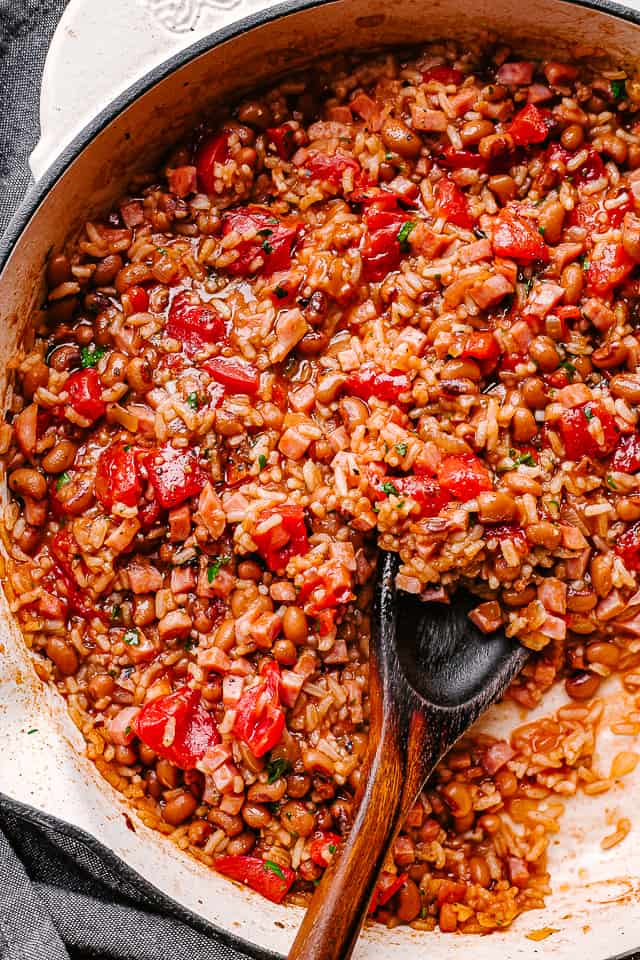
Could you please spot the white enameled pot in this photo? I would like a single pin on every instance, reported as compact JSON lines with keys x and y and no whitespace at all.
{"x":595,"y":907}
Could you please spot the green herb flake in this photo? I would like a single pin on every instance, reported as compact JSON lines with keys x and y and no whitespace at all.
{"x":33,"y":730}
{"x":611,"y":482}
{"x":127,"y":729}
{"x":585,"y":263}
{"x":214,"y":568}
{"x":619,"y":89}
{"x":127,"y":447}
{"x":90,"y":355}
{"x":404,"y":233}
{"x":277,"y":768}
{"x":262,"y":461}
{"x":132,"y":637}
{"x":589,"y":414}
{"x":389,"y":488}
{"x":266,"y":246}
{"x":388,"y":156}
{"x":332,"y":848}
{"x":523,"y":458}
{"x":265,"y":233}
{"x":401,"y":449}
{"x":272,"y":867}
{"x":162,"y":250}
{"x":116,"y":611}
{"x":541,"y":231}
{"x":194,"y":401}
{"x":569,"y":367}
{"x":281,"y":292}
{"x":62,"y":479}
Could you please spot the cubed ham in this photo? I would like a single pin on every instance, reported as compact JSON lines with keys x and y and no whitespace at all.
{"x":576,"y":567}
{"x":518,"y":872}
{"x":132,"y":213}
{"x":183,"y":181}
{"x":487,"y":616}
{"x":565,"y":253}
{"x":293,"y":443}
{"x":51,"y":607}
{"x":573,"y":395}
{"x":232,"y":688}
{"x":303,"y":399}
{"x":600,"y":315}
{"x":538,"y":93}
{"x":610,"y":606}
{"x":559,"y":73}
{"x":214,"y":757}
{"x":472,"y":252}
{"x":290,"y":328}
{"x":426,"y":243}
{"x":572,"y":538}
{"x":544,"y":296}
{"x":340,"y":114}
{"x":235,"y":506}
{"x":224,"y":778}
{"x":240,"y":667}
{"x":211,"y":512}
{"x":552,"y":593}
{"x":363,"y":106}
{"x":487,"y":293}
{"x":464,"y":100}
{"x":214,"y":658}
{"x":265,"y":629}
{"x":119,"y":729}
{"x":176,"y":623}
{"x":404,"y":851}
{"x":179,"y":523}
{"x":425,"y":119}
{"x":232,"y":803}
{"x":122,"y":536}
{"x":143,"y":577}
{"x":496,"y":756}
{"x":338,"y":652}
{"x":223,"y":584}
{"x":306,"y":664}
{"x":290,"y":686}
{"x":183,"y":579}
{"x":416,"y":340}
{"x":517,"y":73}
{"x":553,"y":627}
{"x":143,"y":651}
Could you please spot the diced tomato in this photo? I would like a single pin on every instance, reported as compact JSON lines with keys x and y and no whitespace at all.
{"x":518,"y":240}
{"x":331,"y":169}
{"x":177,"y":727}
{"x":286,"y":540}
{"x":454,"y":159}
{"x":464,"y":476}
{"x":148,"y":513}
{"x":578,"y":440}
{"x":529,"y":126}
{"x":64,"y":547}
{"x":591,"y":169}
{"x":213,"y":150}
{"x":626,"y":457}
{"x":628,"y":547}
{"x":443,"y":74}
{"x":259,"y":716}
{"x":282,"y":139}
{"x":594,"y":217}
{"x":235,"y":375}
{"x":323,"y":846}
{"x":369,"y":382}
{"x":510,"y":361}
{"x":382,"y":248}
{"x":267,"y":878}
{"x":194,"y":323}
{"x":273,"y":242}
{"x":325,"y":589}
{"x":386,"y":887}
{"x":481,"y":345}
{"x":428,"y":493}
{"x":612,"y":267}
{"x":85,"y":393}
{"x":138,"y":298}
{"x":175,"y":476}
{"x":506,"y":531}
{"x":452,"y":203}
{"x":118,"y":477}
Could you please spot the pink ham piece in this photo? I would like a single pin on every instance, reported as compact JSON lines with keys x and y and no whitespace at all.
{"x":120,"y":729}
{"x":543,"y":298}
{"x":496,"y":756}
{"x":518,"y":73}
{"x":183,"y":181}
{"x":553,"y":595}
{"x":487,"y":293}
{"x":290,"y":686}
{"x":214,"y":659}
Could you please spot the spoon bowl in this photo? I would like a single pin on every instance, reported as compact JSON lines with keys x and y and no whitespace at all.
{"x":432,"y":674}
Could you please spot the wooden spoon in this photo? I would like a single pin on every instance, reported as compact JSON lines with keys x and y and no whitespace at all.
{"x":432,"y":673}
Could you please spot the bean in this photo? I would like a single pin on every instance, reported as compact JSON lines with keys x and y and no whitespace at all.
{"x":329,"y":386}
{"x":454,"y":369}
{"x":63,"y":655}
{"x":545,"y":354}
{"x":294,"y":625}
{"x":115,"y":369}
{"x":297,"y":819}
{"x":628,"y":508}
{"x":60,"y":457}
{"x":572,"y":137}
{"x":106,"y":270}
{"x":605,"y":653}
{"x":245,"y":134}
{"x":199,"y":831}
{"x":58,"y":270}
{"x":241,"y":845}
{"x":65,"y":357}
{"x":37,"y":375}
{"x":534,"y":393}
{"x":462,"y":824}
{"x":572,"y":279}
{"x":179,"y":808}
{"x":610,"y":354}
{"x":494,"y":145}
{"x":83,"y":333}
{"x":399,"y":138}
{"x":256,"y":114}
{"x":267,"y":792}
{"x":250,"y":570}
{"x":132,"y":275}
{"x":601,"y":572}
{"x":494,"y":505}
{"x":633,"y":156}
{"x":523,"y":425}
{"x":506,"y":782}
{"x":474,"y":130}
{"x":518,"y":598}
{"x":613,"y":146}
{"x":408,"y":902}
{"x":139,"y":375}
{"x":231,"y":823}
{"x":256,"y":815}
{"x":168,"y":774}
{"x":153,"y":787}
{"x":285,"y":652}
{"x":503,"y":186}
{"x":544,"y":534}
{"x":479,"y":870}
{"x":147,"y":755}
{"x":126,"y":756}
{"x":458,"y":798}
{"x":100,"y":686}
{"x":581,"y":601}
{"x":550,"y":220}
{"x":298,"y":785}
{"x":27,"y":482}
{"x":626,"y":386}
{"x":582,"y":685}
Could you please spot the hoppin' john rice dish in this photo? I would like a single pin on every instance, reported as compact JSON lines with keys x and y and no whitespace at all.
{"x":393,"y":302}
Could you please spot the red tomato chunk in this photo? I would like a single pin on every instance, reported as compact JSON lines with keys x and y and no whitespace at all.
{"x":518,"y":240}
{"x":528,"y":126}
{"x":443,"y":74}
{"x":331,"y":169}
{"x":194,"y":324}
{"x":481,"y":345}
{"x":384,"y":242}
{"x":236,"y":376}
{"x":323,"y":846}
{"x":259,"y":716}
{"x":282,"y":138}
{"x":452,"y":203}
{"x":427,"y":493}
{"x":138,"y":298}
{"x":267,"y":878}
{"x":118,"y":477}
{"x":177,"y":727}
{"x":213,"y":150}
{"x":626,"y":458}
{"x":464,"y":476}
{"x":387,"y":886}
{"x":284,"y":540}
{"x":369,"y":382}
{"x":85,"y":393}
{"x":174,"y":476}
{"x":454,"y":159}
{"x":269,"y":251}
{"x":628,"y":547}
{"x":578,"y":439}
{"x":612,"y":267}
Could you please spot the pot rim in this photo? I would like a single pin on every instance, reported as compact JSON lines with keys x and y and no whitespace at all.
{"x":36,"y":195}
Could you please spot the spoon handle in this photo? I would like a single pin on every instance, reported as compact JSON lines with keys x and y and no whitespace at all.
{"x":339,"y":907}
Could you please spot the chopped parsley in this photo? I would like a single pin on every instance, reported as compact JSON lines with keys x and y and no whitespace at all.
{"x":589,"y":414}
{"x":127,"y":447}
{"x":403,"y":235}
{"x":618,"y":89}
{"x":33,"y":730}
{"x":611,"y":482}
{"x":569,"y":367}
{"x":541,"y":231}
{"x":401,"y":449}
{"x":62,"y":479}
{"x":194,"y":401}
{"x":132,"y":637}
{"x":116,"y":611}
{"x":281,"y":292}
{"x":522,"y":458}
{"x":585,"y":263}
{"x":90,"y":355}
{"x":389,"y":488}
{"x":161,"y":250}
{"x":332,"y":848}
{"x":214,"y":568}
{"x":555,"y":504}
{"x":273,"y":868}
{"x":265,"y":233}
{"x":266,"y":246}
{"x":262,"y":461}
{"x":277,"y":768}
